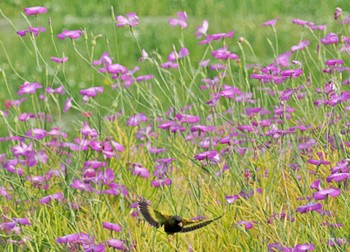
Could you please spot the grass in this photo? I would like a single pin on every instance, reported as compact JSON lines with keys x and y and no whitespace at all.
{"x":265,"y":167}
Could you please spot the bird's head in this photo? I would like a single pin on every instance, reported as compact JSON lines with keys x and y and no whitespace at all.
{"x":176,"y":220}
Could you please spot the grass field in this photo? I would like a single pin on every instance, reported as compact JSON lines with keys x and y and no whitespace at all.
{"x":249,"y":120}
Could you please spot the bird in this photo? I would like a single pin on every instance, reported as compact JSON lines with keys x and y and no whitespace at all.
{"x":172,"y":223}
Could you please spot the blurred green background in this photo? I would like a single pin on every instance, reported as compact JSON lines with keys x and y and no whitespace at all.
{"x":245,"y":17}
{"x":154,"y":33}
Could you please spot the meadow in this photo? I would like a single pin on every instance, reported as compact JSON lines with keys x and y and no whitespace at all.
{"x":202,"y":108}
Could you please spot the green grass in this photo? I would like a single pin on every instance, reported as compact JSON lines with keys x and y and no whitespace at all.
{"x":196,"y":188}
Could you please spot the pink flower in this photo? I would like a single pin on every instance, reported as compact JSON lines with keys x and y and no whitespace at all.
{"x":322,"y":194}
{"x":247,"y":224}
{"x":74,"y":34}
{"x":224,"y":53}
{"x":181,"y":20}
{"x":168,"y":65}
{"x":300,"y":22}
{"x":304,"y":247}
{"x":47,"y":199}
{"x":138,"y":170}
{"x":144,"y":55}
{"x":117,"y":146}
{"x":67,"y":104}
{"x":59,"y":90}
{"x":136,"y":119}
{"x":312,"y":206}
{"x":22,"y":33}
{"x":231,"y":198}
{"x":104,"y":59}
{"x":22,"y":221}
{"x":283,"y":59}
{"x":206,"y":155}
{"x":217,"y":36}
{"x":204,"y":63}
{"x":301,"y":45}
{"x":338,"y":242}
{"x":271,"y":22}
{"x":185,"y":118}
{"x":91,"y":92}
{"x":317,"y":27}
{"x":347,"y":20}
{"x":131,"y":19}
{"x":33,"y":30}
{"x":202,"y":30}
{"x":261,"y":76}
{"x":209,"y":38}
{"x":174,"y":55}
{"x":35,"y":10}
{"x":78,"y":238}
{"x":333,"y":62}
{"x":202,"y":128}
{"x":161,"y":182}
{"x":183,"y":52}
{"x":338,"y":11}
{"x":216,"y":67}
{"x":116,"y":69}
{"x":77,"y":184}
{"x":29,"y":88}
{"x":36,"y":30}
{"x":36,"y":133}
{"x":331,"y":38}
{"x":337,"y":177}
{"x":144,"y":77}
{"x":87,"y":131}
{"x":117,"y":244}
{"x":59,"y":60}
{"x":4,"y":192}
{"x":112,"y":226}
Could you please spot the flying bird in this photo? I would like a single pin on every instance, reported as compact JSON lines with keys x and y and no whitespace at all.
{"x":172,"y":223}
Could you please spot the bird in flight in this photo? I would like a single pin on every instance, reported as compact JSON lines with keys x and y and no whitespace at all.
{"x":172,"y":223}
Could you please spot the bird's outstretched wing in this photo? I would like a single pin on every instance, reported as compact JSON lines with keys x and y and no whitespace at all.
{"x":193,"y":225}
{"x":158,"y":220}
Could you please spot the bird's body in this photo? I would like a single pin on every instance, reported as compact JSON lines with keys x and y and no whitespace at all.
{"x":172,"y":223}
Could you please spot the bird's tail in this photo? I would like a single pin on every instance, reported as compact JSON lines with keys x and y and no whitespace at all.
{"x":199,"y":225}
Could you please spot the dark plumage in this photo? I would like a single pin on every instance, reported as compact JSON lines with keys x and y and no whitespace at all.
{"x":172,"y":223}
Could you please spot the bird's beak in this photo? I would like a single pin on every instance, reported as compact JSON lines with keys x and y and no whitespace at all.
{"x":180,"y":224}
